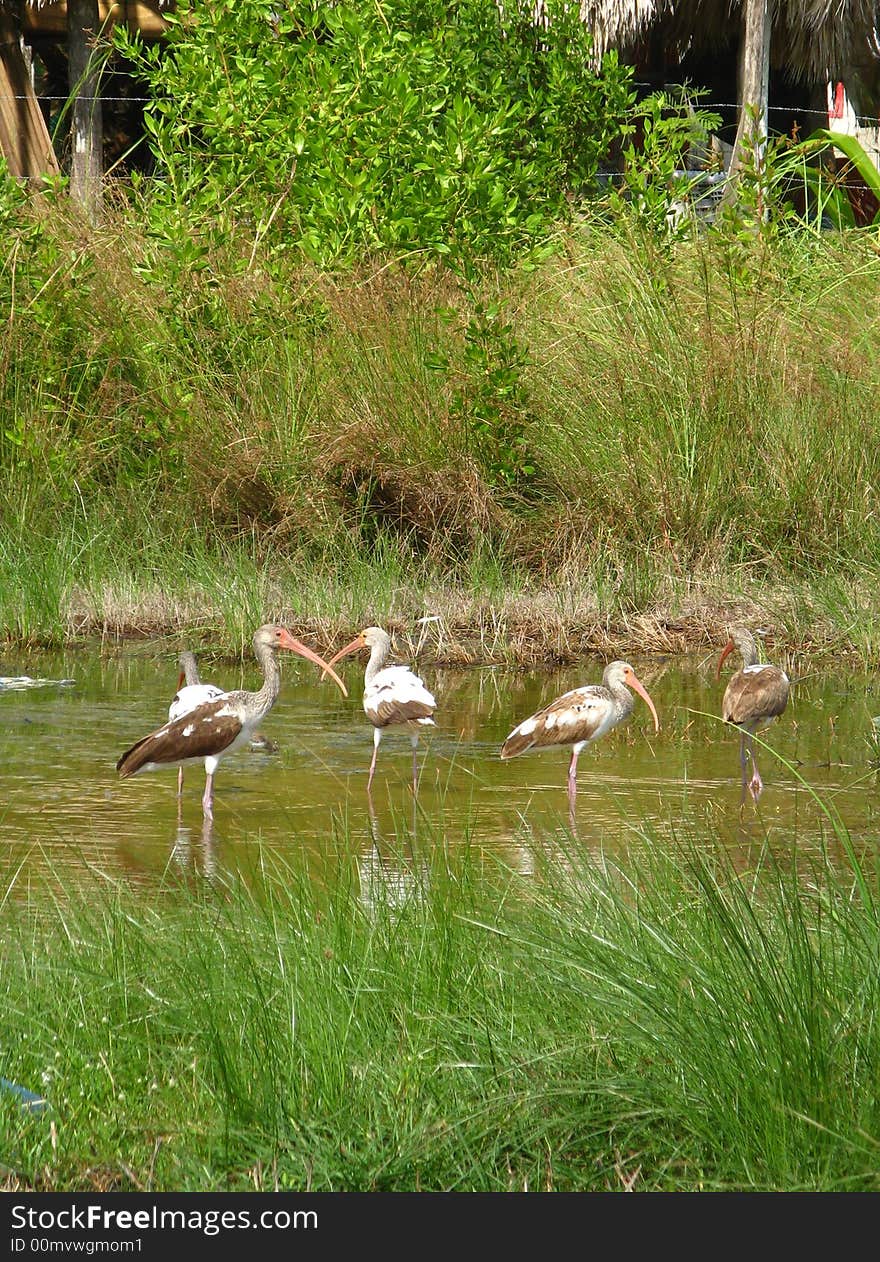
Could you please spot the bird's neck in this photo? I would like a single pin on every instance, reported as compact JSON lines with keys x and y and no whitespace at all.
{"x":262,"y":701}
{"x":749,"y":651}
{"x":623,"y":699}
{"x":190,"y":670}
{"x":378,"y":658}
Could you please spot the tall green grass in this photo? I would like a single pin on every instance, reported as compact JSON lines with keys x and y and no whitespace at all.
{"x":702,"y":408}
{"x":674,"y":1019}
{"x":637,"y":434}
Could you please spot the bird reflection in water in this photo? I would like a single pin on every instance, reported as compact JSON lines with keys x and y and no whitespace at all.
{"x":389,"y":873}
{"x":199,"y":860}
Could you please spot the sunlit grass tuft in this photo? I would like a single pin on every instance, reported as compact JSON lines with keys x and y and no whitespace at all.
{"x":683,"y":1016}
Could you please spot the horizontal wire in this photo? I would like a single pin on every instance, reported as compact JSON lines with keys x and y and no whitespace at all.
{"x":134,"y":100}
{"x":867,"y":120}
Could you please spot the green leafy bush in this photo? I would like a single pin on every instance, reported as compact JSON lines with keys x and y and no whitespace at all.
{"x":441,"y":130}
{"x":658,"y":137}
{"x":812,"y":186}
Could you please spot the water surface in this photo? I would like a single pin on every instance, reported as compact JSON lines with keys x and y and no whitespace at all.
{"x":65,"y":817}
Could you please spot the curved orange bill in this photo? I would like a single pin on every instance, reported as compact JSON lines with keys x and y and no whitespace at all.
{"x":180,"y":680}
{"x":357,"y":643}
{"x":287,"y":641}
{"x":728,"y":649}
{"x":639,"y":687}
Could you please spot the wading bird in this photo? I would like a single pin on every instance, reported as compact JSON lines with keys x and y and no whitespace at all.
{"x":188,"y":697}
{"x":195,"y":693}
{"x":579,"y":717}
{"x":754,"y":697}
{"x":393,"y":695}
{"x":215,"y":728}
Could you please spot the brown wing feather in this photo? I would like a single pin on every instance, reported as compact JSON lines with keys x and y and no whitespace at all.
{"x":200,"y":733}
{"x":382,"y":713}
{"x":755,"y":695}
{"x":573,"y":717}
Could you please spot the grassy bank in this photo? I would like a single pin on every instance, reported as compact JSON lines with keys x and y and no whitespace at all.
{"x":673,"y":1021}
{"x":621,"y":448}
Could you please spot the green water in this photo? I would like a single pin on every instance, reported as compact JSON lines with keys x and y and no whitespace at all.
{"x":66,"y":817}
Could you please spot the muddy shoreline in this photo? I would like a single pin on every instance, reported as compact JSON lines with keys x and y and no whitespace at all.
{"x":459,"y":630}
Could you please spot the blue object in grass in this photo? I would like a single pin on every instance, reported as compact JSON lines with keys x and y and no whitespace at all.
{"x":29,"y":1100}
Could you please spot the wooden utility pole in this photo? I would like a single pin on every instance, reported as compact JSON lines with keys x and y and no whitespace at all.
{"x":754,"y":89}
{"x":86,"y":129}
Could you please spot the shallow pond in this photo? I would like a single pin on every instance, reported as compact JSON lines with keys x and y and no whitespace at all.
{"x":66,"y":817}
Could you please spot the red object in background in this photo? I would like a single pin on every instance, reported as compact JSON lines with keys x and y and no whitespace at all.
{"x":836,"y":110}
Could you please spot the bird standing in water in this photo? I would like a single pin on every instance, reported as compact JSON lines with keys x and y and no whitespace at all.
{"x":579,"y":717}
{"x":754,"y":697}
{"x":393,"y":695}
{"x":215,"y":728}
{"x":191,"y":692}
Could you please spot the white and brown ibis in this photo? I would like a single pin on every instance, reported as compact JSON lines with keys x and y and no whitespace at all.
{"x":754,"y":697}
{"x":195,"y":693}
{"x":393,"y":695}
{"x":191,"y":693}
{"x":215,"y":728}
{"x":579,"y":717}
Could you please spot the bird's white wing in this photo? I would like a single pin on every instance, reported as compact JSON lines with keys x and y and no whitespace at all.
{"x":190,"y":697}
{"x":396,"y":695}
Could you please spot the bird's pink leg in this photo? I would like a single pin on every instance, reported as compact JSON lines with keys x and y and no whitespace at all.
{"x":756,"y":784}
{"x":572,"y":777}
{"x":208,"y":795}
{"x":743,"y":767}
{"x":414,"y":739}
{"x":179,"y":780}
{"x":377,"y":736}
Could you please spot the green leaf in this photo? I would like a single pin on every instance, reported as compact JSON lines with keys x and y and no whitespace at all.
{"x":855,"y":152}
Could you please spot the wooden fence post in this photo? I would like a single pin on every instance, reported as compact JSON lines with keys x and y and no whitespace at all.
{"x":86,"y":129}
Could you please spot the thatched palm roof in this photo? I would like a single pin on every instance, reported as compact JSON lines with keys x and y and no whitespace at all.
{"x":814,"y":40}
{"x":836,"y":35}
{"x":618,"y":22}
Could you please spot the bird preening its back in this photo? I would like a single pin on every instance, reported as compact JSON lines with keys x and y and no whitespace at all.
{"x":756,"y":695}
{"x":393,"y":695}
{"x":220,"y":725}
{"x":580,"y":716}
{"x":191,"y":693}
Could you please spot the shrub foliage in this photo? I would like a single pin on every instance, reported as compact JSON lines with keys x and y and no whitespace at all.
{"x":457,"y":130}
